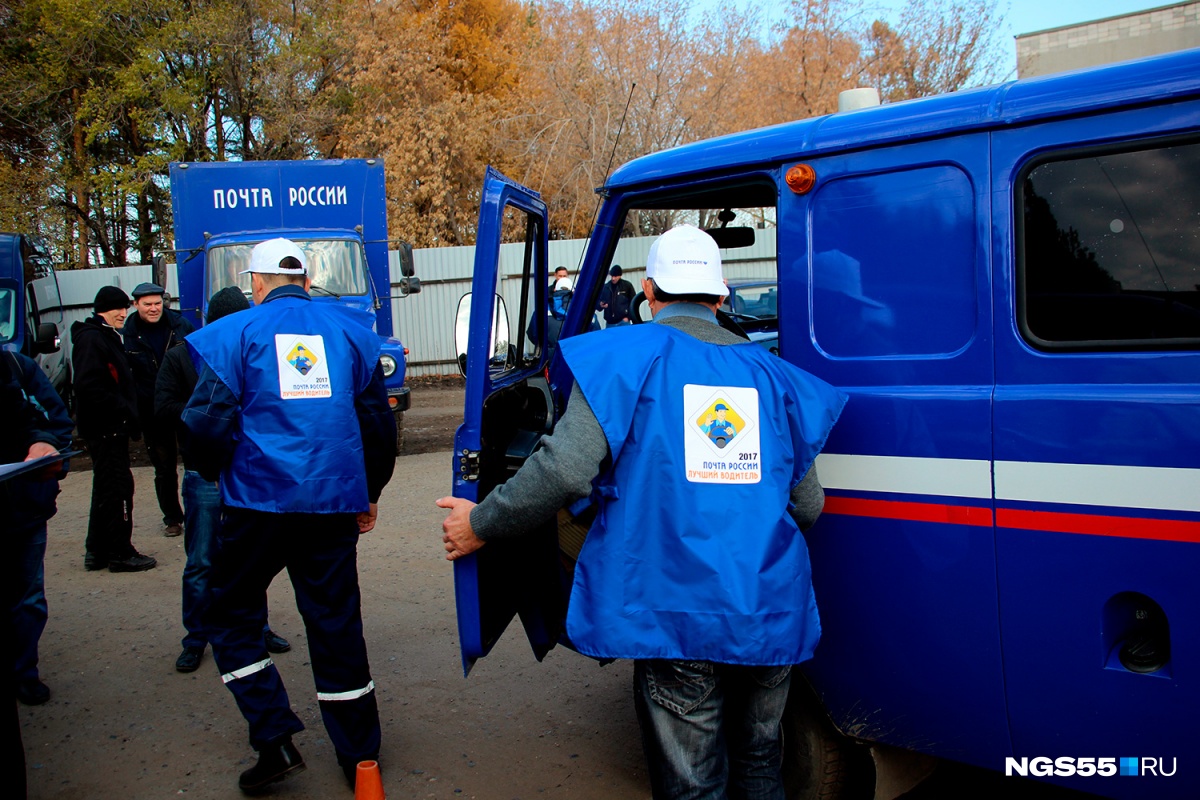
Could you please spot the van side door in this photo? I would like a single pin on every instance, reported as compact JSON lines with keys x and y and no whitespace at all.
{"x":886,"y":264}
{"x":1097,"y":434}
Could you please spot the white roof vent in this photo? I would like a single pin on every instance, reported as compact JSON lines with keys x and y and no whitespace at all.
{"x":852,"y":99}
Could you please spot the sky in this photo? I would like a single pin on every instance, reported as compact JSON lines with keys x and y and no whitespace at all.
{"x":1020,"y":16}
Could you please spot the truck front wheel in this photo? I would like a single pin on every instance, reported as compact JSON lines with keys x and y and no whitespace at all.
{"x":819,"y":763}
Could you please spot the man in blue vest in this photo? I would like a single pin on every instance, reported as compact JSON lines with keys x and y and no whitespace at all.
{"x":695,"y":566}
{"x":302,"y":457}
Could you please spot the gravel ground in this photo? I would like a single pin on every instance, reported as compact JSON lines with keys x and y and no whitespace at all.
{"x":121,"y":723}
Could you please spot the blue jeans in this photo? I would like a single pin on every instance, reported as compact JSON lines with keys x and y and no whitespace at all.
{"x":27,"y":590}
{"x":202,"y":514}
{"x":711,"y":731}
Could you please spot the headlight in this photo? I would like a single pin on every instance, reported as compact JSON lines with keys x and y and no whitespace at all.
{"x":389,"y":365}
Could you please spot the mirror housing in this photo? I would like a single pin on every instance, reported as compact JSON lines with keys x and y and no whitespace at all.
{"x":159,"y":270}
{"x":498,"y":345}
{"x":730,"y":238}
{"x":410,"y":285}
{"x":408,"y":266}
{"x":46,"y":339}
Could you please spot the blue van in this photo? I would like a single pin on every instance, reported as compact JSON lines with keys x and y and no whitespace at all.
{"x":1006,"y":282}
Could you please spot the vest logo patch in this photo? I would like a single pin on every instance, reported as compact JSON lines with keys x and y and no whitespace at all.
{"x":721,"y":434}
{"x":303,"y":371}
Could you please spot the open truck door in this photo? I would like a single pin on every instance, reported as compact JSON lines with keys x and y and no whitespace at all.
{"x":508,"y":408}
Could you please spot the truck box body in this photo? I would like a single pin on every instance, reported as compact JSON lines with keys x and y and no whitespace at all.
{"x":336,"y":210}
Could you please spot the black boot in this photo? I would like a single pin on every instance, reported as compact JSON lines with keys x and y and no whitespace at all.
{"x":274,"y":764}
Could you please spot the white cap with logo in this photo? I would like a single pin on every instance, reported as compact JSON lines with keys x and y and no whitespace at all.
{"x":266,"y":258}
{"x":686,"y":260}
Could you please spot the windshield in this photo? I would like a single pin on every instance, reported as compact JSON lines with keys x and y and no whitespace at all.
{"x":8,"y":317}
{"x":335,"y":265}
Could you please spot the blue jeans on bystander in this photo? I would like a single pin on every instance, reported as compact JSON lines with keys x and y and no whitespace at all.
{"x":202,"y":515}
{"x":711,"y":731}
{"x":27,"y":588}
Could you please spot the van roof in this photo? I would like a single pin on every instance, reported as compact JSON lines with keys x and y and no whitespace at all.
{"x":1158,"y":79}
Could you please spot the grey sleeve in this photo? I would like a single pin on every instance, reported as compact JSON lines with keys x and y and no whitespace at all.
{"x":808,"y":498}
{"x":557,"y":474}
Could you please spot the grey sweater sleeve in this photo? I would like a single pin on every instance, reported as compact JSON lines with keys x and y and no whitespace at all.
{"x":562,"y":469}
{"x":808,"y":498}
{"x":556,"y":475}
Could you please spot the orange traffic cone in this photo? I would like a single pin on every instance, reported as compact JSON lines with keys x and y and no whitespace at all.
{"x":368,"y":783}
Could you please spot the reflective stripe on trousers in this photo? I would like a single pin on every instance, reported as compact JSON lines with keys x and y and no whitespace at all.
{"x":353,"y":694}
{"x":245,"y":671}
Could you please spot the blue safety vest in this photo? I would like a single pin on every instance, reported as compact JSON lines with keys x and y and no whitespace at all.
{"x":693,"y":554}
{"x":296,"y":366}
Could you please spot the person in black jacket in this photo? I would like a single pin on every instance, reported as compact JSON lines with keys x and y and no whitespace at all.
{"x":36,"y":424}
{"x":615,"y":298}
{"x":149,"y":335}
{"x":201,"y":498}
{"x":107,"y":416}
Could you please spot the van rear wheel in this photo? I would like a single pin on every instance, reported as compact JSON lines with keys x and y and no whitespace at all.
{"x":819,"y":763}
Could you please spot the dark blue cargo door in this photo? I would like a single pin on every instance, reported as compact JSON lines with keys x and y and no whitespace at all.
{"x":1097,"y":441}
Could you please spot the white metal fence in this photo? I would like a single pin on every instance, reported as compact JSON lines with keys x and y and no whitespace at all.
{"x":425,"y":322}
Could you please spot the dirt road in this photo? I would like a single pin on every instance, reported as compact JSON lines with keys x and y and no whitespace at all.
{"x":121,"y":723}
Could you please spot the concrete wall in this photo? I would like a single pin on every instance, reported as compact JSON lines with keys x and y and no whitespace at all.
{"x":1159,"y":30}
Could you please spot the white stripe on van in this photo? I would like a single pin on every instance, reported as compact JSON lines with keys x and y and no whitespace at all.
{"x":952,"y":477}
{"x":1164,"y":488}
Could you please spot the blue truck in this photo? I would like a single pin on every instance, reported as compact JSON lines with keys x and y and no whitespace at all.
{"x":1006,"y":283}
{"x":31,"y":311}
{"x":336,"y":210}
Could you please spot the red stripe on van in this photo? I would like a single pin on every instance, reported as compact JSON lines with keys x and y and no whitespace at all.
{"x":916,"y":512}
{"x":1170,"y":530}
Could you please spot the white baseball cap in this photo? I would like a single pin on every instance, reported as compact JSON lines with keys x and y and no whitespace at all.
{"x":266,"y":256}
{"x":686,"y":260}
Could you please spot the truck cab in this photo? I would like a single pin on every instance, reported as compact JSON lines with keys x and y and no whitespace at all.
{"x":31,"y":312}
{"x":336,"y":211}
{"x":1004,"y":282}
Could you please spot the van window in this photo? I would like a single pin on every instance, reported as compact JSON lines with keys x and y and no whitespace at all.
{"x":741,"y":215}
{"x":1109,"y":252}
{"x":893,"y":264}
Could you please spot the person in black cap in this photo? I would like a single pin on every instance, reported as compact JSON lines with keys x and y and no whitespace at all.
{"x":615,"y":298}
{"x":149,"y":335}
{"x":107,"y":418}
{"x":201,"y":499}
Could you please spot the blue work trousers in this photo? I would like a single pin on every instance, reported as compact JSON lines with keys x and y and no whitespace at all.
{"x":319,"y":552}
{"x":202,"y":514}
{"x":711,"y":731}
{"x":27,"y":596}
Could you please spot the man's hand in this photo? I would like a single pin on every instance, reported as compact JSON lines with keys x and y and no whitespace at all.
{"x":459,"y":538}
{"x":41,"y":450}
{"x":366,"y":519}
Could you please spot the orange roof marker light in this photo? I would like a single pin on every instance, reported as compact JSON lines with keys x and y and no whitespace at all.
{"x":801,"y":178}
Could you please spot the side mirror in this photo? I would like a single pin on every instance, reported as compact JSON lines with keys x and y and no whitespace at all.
{"x":498,"y":346}
{"x":46,"y":340}
{"x":159,"y":270}
{"x":408,"y":266}
{"x":410,"y":285}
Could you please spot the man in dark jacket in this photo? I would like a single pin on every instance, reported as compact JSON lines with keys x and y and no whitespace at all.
{"x":36,"y":424}
{"x":291,"y":413}
{"x":201,"y":498}
{"x":107,"y":416}
{"x":149,"y":335}
{"x":615,"y":298}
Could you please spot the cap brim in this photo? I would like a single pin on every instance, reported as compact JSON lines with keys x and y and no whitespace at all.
{"x":692,"y":286}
